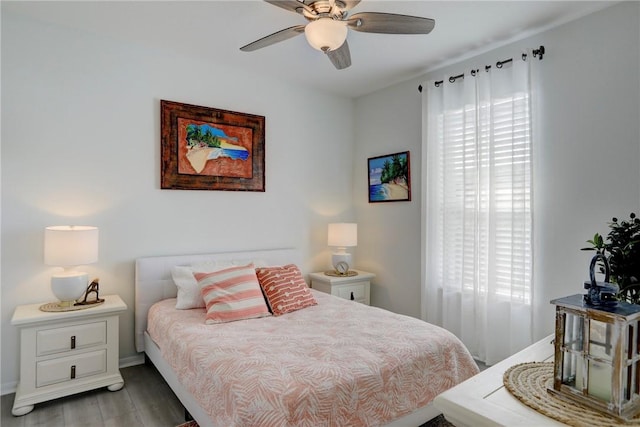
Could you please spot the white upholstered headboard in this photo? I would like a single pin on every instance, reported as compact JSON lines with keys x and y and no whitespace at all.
{"x":153,"y":280}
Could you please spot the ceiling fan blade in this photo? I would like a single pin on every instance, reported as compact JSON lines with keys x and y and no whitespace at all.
{"x":341,"y":57}
{"x":281,"y":35}
{"x":390,"y":23}
{"x":290,"y":5}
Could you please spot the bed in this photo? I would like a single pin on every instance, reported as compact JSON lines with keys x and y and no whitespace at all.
{"x":334,"y":363}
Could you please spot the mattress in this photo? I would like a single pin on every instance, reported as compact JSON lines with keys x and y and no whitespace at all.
{"x":337,"y":363}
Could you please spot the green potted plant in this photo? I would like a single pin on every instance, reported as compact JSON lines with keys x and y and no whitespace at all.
{"x":622,"y":250}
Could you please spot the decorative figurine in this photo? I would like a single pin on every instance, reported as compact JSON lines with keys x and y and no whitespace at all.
{"x":93,"y":287}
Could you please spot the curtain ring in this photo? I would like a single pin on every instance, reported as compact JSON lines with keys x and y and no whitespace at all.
{"x":453,"y":79}
{"x":524,"y":56}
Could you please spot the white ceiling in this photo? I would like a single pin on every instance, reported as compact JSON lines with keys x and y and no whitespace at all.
{"x":217,"y":29}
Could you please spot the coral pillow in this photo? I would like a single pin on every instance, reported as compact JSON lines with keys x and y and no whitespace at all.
{"x":285,"y":289}
{"x":232,"y":294}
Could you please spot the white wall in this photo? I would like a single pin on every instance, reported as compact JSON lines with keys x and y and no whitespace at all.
{"x":81,"y":145}
{"x":586,"y":160}
{"x":388,"y":121}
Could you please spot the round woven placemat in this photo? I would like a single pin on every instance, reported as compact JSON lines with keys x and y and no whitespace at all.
{"x":529,"y":382}
{"x":56,"y":307}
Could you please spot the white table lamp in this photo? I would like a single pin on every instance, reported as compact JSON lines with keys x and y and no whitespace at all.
{"x":341,"y":236}
{"x":69,"y":246}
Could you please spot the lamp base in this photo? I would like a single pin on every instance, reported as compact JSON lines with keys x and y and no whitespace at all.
{"x":69,"y":285}
{"x":340,"y":256}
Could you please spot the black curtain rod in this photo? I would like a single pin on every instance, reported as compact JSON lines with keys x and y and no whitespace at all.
{"x":536,"y":53}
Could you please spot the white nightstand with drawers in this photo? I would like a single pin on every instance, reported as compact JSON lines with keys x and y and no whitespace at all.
{"x":355,"y":288}
{"x":63,"y":353}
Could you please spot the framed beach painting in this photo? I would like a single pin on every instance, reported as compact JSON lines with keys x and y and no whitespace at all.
{"x":211,"y":149}
{"x":390,"y":178}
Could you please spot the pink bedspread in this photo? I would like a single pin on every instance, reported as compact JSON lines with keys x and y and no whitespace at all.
{"x":339,"y":363}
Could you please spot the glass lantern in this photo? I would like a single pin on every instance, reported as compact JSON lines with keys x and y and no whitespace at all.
{"x":597,"y":356}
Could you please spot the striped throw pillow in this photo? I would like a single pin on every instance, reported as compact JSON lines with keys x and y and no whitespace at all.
{"x":285,"y":289}
{"x":232,"y":294}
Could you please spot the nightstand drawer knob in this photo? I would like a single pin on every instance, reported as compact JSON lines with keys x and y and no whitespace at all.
{"x":352,"y":298}
{"x":73,"y":342}
{"x":73,"y":371}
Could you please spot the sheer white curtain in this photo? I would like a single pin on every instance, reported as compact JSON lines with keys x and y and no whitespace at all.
{"x":477,"y":212}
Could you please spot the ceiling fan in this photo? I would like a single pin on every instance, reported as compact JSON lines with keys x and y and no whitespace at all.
{"x":329,"y":21}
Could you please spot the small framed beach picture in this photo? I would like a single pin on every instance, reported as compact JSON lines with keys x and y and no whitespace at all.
{"x":211,"y":149}
{"x":390,"y":178}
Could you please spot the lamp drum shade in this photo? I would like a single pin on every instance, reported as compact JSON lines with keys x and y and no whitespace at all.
{"x":70,"y":245}
{"x":342,"y":234}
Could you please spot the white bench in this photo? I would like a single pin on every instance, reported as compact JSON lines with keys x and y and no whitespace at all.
{"x":483,"y":400}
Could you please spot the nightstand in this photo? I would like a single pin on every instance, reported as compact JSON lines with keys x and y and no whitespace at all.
{"x":63,"y":353}
{"x":355,"y":288}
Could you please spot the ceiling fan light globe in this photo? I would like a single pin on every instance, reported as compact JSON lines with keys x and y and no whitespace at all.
{"x":325,"y":34}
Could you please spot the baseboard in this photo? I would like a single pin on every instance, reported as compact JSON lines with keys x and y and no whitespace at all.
{"x":7,"y":388}
{"x":138,"y":359}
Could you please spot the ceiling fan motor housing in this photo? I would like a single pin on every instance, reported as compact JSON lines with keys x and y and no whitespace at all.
{"x":323,"y":8}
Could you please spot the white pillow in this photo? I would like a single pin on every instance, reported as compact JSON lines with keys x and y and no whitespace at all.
{"x":189,"y":295}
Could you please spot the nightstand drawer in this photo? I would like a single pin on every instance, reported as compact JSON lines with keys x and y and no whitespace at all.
{"x":58,"y":340}
{"x":356,"y":292}
{"x":70,"y":367}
